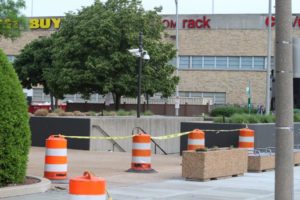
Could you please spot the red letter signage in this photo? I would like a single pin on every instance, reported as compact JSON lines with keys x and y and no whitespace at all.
{"x":202,"y":23}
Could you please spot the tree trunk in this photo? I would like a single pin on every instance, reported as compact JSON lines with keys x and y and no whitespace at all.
{"x":51,"y":102}
{"x":117,"y":101}
{"x":56,"y":103}
{"x":147,"y":100}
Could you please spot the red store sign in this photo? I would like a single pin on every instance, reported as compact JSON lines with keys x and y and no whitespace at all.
{"x":200,"y":23}
{"x":296,"y":22}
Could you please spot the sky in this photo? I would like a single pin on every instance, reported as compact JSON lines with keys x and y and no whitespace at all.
{"x":60,"y":7}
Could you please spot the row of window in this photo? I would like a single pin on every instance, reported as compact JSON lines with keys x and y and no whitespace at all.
{"x":216,"y":97}
{"x":222,"y":62}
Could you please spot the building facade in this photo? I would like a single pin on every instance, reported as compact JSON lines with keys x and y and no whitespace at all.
{"x":220,"y":56}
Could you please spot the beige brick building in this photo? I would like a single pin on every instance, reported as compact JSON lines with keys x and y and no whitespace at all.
{"x":220,"y":55}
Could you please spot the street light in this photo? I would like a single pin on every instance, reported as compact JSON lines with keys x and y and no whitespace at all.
{"x":141,"y":54}
{"x":177,"y":103}
{"x":268,"y":81}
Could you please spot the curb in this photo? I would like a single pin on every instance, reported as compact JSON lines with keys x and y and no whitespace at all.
{"x":41,"y":186}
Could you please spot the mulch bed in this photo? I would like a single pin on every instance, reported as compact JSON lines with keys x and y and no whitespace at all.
{"x":28,"y":180}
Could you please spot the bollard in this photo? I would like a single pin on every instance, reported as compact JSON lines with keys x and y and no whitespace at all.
{"x":196,"y":140}
{"x":246,"y":139}
{"x":56,"y":158}
{"x":141,"y":154}
{"x":87,"y":187}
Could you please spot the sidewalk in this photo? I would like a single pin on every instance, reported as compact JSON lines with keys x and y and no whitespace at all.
{"x":166,"y":184}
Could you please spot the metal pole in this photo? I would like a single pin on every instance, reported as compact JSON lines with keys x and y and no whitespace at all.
{"x":177,"y":55}
{"x":31,"y":8}
{"x":284,"y":163}
{"x":138,"y":109}
{"x":268,"y":79}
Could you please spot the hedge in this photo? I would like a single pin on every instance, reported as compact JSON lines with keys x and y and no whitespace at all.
{"x":14,"y":126}
{"x":228,"y":111}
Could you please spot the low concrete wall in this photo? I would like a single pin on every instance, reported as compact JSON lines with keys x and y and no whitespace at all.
{"x":264,"y":134}
{"x":42,"y":127}
{"x":123,"y":126}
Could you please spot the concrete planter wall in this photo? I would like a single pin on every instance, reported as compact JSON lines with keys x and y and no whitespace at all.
{"x":264,"y":134}
{"x":43,"y":127}
{"x":259,"y":163}
{"x":297,"y":157}
{"x":214,"y":163}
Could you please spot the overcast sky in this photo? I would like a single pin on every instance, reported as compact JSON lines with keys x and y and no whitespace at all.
{"x":59,"y":7}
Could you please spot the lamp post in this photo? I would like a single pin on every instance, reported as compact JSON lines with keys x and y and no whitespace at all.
{"x":138,"y":109}
{"x":268,"y":81}
{"x":141,"y":54}
{"x":177,"y":104}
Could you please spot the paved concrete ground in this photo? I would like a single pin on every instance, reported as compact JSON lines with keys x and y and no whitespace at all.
{"x":166,"y":184}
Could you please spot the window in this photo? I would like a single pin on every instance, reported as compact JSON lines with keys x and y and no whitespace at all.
{"x":11,"y":58}
{"x":197,"y":62}
{"x":184,"y":94}
{"x":221,"y":62}
{"x":196,"y":94}
{"x":234,"y":62}
{"x":184,"y":62}
{"x":220,"y":98}
{"x":259,"y":63}
{"x":215,"y":97}
{"x":246,"y":62}
{"x":208,"y":62}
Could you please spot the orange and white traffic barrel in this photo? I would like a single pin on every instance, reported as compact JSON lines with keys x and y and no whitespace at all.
{"x":56,"y":158}
{"x":141,"y":153}
{"x":246,"y":139}
{"x":87,"y":187}
{"x":196,"y":140}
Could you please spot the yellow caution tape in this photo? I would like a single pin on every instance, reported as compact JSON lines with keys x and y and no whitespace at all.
{"x":99,"y":137}
{"x":164,"y":137}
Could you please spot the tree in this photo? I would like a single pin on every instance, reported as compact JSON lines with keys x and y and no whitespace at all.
{"x":14,"y":126}
{"x":91,"y":51}
{"x":34,"y":67}
{"x":11,"y":21}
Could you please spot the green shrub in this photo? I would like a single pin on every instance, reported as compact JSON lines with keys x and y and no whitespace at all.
{"x":297,"y":117}
{"x":66,"y":114}
{"x":122,"y":112}
{"x":14,"y":126}
{"x":41,"y":112}
{"x":252,"y":118}
{"x":239,"y":118}
{"x":297,"y":111}
{"x":78,"y":113}
{"x":132,"y":112}
{"x":148,"y":113}
{"x":267,"y":118}
{"x":109,"y":113}
{"x":58,"y":111}
{"x":90,"y":113}
{"x":227,"y":111}
{"x":221,"y":119}
{"x":52,"y":115}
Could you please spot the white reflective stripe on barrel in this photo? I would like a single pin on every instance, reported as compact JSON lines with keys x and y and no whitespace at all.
{"x":56,"y":152}
{"x":87,"y":197}
{"x":56,"y":167}
{"x":195,"y":142}
{"x":141,"y":159}
{"x":141,"y":146}
{"x":246,"y":139}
